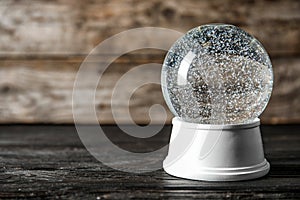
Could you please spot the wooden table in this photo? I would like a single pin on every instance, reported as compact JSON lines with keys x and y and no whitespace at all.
{"x":41,"y":161}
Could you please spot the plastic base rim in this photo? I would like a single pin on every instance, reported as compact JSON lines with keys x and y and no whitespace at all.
{"x":219,"y":174}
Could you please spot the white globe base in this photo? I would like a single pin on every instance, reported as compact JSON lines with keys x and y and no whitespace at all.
{"x":216,"y":152}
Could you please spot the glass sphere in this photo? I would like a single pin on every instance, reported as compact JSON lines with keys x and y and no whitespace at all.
{"x":217,"y":74}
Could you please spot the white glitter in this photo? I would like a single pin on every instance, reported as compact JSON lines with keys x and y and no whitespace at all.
{"x":217,"y":74}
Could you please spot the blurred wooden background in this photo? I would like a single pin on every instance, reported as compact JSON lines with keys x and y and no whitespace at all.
{"x":43,"y":43}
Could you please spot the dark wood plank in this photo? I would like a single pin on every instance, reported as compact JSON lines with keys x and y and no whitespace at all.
{"x":50,"y":162}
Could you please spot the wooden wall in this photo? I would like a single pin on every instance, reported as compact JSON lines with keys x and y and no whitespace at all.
{"x":42,"y":44}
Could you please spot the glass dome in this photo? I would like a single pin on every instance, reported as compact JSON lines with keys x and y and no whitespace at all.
{"x":217,"y":74}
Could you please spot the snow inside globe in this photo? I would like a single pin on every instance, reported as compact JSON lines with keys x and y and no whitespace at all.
{"x":217,"y":74}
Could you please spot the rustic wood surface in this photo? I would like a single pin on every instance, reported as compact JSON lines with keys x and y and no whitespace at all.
{"x":33,"y":94}
{"x":47,"y":162}
{"x":43,"y":43}
{"x":76,"y":26}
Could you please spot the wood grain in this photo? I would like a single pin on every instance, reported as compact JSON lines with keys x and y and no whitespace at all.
{"x":43,"y":43}
{"x":30,"y":93}
{"x":47,"y":162}
{"x":76,"y":26}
